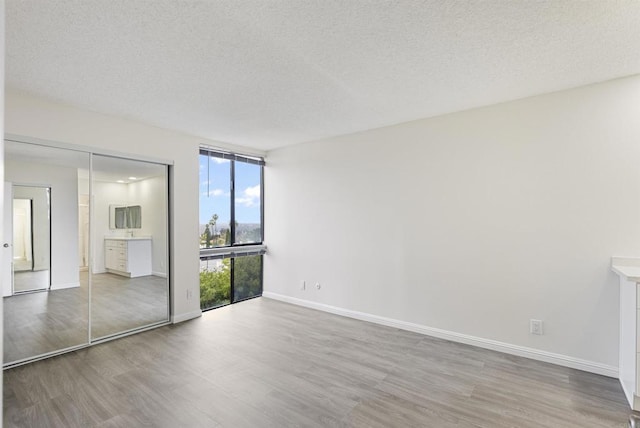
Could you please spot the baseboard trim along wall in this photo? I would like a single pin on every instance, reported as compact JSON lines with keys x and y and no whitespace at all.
{"x":160,"y":274}
{"x":63,"y":286}
{"x":186,"y":316}
{"x":507,"y":348}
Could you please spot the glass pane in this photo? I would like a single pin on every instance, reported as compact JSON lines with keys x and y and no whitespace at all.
{"x":45,"y":286}
{"x":247,"y":277}
{"x":215,"y":283}
{"x":248,"y":213}
{"x":129,"y":285}
{"x":215,"y":202}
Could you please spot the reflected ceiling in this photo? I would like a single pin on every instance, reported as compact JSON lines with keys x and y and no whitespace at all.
{"x":105,"y":168}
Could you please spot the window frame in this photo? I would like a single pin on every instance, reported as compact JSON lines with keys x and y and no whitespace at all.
{"x":233,"y":158}
{"x":235,"y":250}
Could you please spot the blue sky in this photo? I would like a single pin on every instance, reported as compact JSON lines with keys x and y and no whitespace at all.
{"x":215,"y":191}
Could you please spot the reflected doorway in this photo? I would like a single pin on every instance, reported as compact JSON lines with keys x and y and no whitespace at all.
{"x":31,"y":238}
{"x":22,"y":235}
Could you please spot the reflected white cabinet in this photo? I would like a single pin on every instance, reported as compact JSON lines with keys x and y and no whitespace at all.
{"x":128,"y":256}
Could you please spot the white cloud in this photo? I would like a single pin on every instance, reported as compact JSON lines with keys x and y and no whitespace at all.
{"x":216,"y":192}
{"x":250,"y":197}
{"x":220,"y":160}
{"x":253,"y":192}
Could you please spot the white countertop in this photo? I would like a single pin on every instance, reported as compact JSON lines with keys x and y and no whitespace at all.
{"x":628,"y":267}
{"x":128,"y":238}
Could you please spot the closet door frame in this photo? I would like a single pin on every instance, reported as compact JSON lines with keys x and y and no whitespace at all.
{"x":91,"y":151}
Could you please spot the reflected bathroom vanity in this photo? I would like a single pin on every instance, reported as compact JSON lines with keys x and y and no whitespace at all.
{"x":128,"y":256}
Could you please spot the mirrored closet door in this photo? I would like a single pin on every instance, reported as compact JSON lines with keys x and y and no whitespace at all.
{"x":85,"y":257}
{"x":129,"y":275}
{"x":46,"y":299}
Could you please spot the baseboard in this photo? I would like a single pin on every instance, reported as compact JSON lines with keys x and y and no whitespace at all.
{"x":65,"y":286}
{"x":160,"y":274}
{"x":628,"y":392}
{"x":507,"y":348}
{"x":175,"y":319}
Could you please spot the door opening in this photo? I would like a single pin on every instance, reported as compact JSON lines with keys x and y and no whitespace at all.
{"x":31,"y":238}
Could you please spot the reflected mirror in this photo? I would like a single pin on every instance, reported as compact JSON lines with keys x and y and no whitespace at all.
{"x":125,"y":217}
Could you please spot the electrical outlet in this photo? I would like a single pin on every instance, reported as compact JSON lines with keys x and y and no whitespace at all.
{"x":318,"y":285}
{"x":189,"y":294}
{"x":535,"y":327}
{"x":303,"y":285}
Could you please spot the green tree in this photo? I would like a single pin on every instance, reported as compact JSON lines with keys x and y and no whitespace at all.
{"x":212,"y":222}
{"x":205,"y":238}
{"x":215,"y":286}
{"x":247,"y":276}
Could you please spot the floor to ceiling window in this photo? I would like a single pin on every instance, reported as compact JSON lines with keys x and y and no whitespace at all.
{"x":231,"y":228}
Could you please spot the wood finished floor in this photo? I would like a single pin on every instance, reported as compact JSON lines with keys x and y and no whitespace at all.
{"x":30,"y":280}
{"x":37,"y":323}
{"x":263,"y":363}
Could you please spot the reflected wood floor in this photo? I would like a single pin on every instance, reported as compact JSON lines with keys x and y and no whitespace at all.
{"x":41,"y":322}
{"x":30,"y":280}
{"x":263,"y":363}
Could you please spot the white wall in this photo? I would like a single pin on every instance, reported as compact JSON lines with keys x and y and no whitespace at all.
{"x":64,"y":214}
{"x":36,"y":117}
{"x":149,"y":195}
{"x":472,"y":223}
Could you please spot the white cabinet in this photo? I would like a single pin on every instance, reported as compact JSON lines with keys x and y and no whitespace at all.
{"x":128,"y":256}
{"x":629,"y":351}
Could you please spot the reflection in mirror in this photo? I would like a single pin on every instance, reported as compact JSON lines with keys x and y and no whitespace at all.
{"x":133,"y":216}
{"x":45,"y":185}
{"x":31,"y":238}
{"x":130,"y":280}
{"x":125,"y":217}
{"x":117,"y":219}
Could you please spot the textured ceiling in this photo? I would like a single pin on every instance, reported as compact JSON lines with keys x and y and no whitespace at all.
{"x":269,"y":73}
